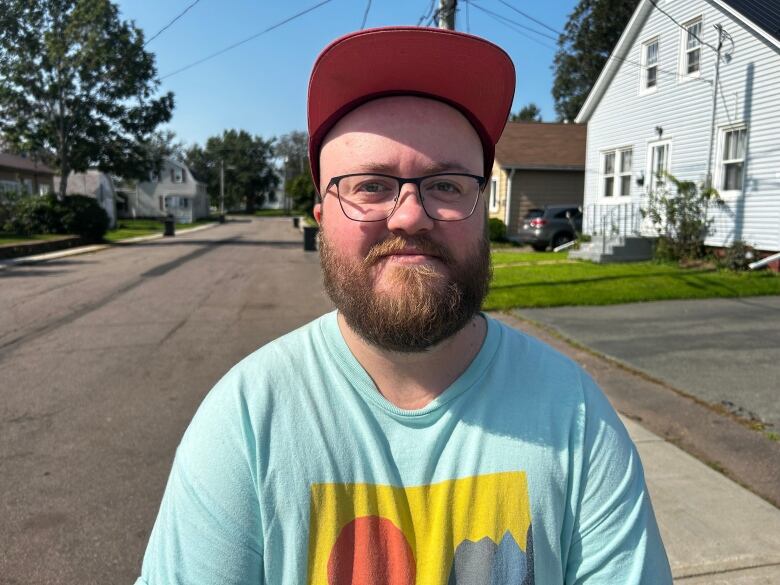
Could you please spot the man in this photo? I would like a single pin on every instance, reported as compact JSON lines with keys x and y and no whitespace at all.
{"x":406,"y":438}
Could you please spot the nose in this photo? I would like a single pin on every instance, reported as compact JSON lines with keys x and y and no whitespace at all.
{"x":409,"y":215}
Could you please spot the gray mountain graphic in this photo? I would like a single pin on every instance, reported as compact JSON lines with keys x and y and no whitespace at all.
{"x":486,"y":563}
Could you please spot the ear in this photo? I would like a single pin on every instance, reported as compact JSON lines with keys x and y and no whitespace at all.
{"x":318,"y":212}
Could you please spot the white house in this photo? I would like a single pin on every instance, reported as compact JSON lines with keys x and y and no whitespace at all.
{"x":174,"y":190}
{"x":656,"y":107}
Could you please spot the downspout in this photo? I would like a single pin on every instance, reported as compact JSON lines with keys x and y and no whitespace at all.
{"x":508,"y":200}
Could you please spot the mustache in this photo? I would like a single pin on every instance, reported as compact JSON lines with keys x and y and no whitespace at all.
{"x":395,"y":244}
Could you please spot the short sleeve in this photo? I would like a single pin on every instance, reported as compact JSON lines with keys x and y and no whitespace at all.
{"x":616,"y":537}
{"x":208,"y":529}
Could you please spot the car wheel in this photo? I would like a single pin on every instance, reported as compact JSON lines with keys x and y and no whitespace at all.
{"x":561,"y":239}
{"x":539,"y":247}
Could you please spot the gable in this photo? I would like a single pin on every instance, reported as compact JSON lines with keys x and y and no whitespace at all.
{"x":766,"y":27}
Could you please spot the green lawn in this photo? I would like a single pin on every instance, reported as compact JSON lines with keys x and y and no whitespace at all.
{"x":6,"y":238}
{"x":132,"y":228}
{"x":551,"y":280}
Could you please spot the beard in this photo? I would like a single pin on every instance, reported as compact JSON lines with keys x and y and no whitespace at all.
{"x":420,"y":306}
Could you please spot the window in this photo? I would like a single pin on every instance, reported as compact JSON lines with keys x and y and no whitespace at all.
{"x":609,"y":174}
{"x":650,"y":66}
{"x":44,"y":189}
{"x":162,"y":205}
{"x":659,"y":164}
{"x":9,"y":187}
{"x":625,"y":172}
{"x":616,"y":172}
{"x":493,"y":195}
{"x":177,"y":175}
{"x":692,"y":56}
{"x":733,"y":159}
{"x":184,"y":203}
{"x":28,"y":186}
{"x":155,"y":177}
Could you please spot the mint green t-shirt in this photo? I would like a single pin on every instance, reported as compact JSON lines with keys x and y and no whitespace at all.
{"x":296,"y":470}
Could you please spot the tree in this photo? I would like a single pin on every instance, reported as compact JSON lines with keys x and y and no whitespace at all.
{"x":589,"y":36}
{"x":293,"y":149}
{"x":529,"y":113}
{"x":248,"y":164}
{"x":77,"y":87}
{"x":302,"y":192}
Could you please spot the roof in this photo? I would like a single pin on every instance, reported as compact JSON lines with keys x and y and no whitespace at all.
{"x":541,"y":145}
{"x":765,"y":15}
{"x":757,"y":15}
{"x":21,"y":163}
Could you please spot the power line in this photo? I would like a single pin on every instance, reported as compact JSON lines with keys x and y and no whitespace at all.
{"x":427,"y":14}
{"x":670,"y":17}
{"x":365,"y":15}
{"x":529,"y":17}
{"x":167,"y":26}
{"x":246,"y":40}
{"x":524,"y":27}
{"x":513,"y":25}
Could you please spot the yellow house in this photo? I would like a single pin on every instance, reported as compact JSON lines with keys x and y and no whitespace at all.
{"x":537,"y":164}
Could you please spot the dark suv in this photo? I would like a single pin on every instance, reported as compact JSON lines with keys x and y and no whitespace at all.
{"x":552,"y":226}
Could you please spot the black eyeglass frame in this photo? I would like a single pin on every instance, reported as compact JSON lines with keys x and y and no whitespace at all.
{"x":416,"y":181}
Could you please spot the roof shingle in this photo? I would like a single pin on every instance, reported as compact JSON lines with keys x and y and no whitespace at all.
{"x":542,"y":145}
{"x":762,"y":13}
{"x":20,"y":163}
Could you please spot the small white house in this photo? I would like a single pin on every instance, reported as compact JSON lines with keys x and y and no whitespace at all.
{"x":656,"y":107}
{"x":173,"y":190}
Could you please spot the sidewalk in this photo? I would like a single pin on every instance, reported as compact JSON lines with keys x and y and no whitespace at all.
{"x":92,"y":248}
{"x":715,"y":531}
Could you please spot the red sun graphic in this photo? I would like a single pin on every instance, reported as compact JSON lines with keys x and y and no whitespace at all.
{"x":371,"y":550}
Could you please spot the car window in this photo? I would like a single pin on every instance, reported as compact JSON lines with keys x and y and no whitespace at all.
{"x":533,"y":213}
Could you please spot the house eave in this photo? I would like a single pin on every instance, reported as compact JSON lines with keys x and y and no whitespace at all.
{"x":566,"y":168}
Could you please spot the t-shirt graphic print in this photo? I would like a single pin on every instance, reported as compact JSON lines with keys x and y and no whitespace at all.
{"x":467,"y":531}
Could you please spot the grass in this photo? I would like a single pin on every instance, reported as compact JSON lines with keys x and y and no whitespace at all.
{"x":6,"y":238}
{"x":133,"y":228}
{"x":551,"y":280}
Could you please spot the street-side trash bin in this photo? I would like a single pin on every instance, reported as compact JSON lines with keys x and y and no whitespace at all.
{"x":170,"y":229}
{"x":296,"y":222}
{"x":310,"y":238}
{"x":221,"y":218}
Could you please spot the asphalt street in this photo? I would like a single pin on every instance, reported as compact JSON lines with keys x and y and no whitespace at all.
{"x":723,"y":351}
{"x":103,"y":360}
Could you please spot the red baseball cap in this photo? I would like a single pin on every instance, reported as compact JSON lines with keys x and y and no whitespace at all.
{"x":464,"y":71}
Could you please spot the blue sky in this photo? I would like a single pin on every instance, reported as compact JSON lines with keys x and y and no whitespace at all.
{"x":261,"y":85}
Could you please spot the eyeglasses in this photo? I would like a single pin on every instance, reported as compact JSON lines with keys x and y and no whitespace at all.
{"x":374,"y":197}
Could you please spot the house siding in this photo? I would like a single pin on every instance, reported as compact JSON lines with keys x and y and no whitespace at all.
{"x":624,"y":117}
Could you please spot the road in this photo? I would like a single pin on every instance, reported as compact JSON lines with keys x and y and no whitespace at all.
{"x":718,"y":350}
{"x":103,"y":360}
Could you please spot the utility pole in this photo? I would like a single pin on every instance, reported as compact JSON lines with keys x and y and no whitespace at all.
{"x":221,"y":190}
{"x":447,"y":14}
{"x":721,"y":35}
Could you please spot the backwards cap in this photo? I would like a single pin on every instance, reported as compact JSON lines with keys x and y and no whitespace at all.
{"x":466,"y":72}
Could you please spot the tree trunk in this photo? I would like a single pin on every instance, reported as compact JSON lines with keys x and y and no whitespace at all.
{"x":64,"y":173}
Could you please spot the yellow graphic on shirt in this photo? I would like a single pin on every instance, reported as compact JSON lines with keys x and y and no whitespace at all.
{"x":457,"y":532}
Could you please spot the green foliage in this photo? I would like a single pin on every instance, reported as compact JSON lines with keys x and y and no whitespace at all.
{"x":680,"y":218}
{"x":496,"y":230}
{"x":83,"y":215}
{"x":76,"y":86}
{"x":302,"y":192}
{"x":293,"y":149}
{"x":529,"y":113}
{"x":738,"y":256}
{"x":76,"y":214}
{"x":249,"y":171}
{"x":589,"y":36}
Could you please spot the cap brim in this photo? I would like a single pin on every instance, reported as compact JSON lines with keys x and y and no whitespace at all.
{"x":469,"y":73}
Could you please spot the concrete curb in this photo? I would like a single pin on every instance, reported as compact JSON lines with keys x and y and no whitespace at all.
{"x":38,"y":258}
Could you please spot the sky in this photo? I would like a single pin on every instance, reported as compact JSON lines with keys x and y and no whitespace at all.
{"x":260,"y":86}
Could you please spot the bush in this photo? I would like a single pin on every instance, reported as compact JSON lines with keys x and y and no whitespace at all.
{"x":83,"y":216}
{"x":34,"y":215}
{"x":77,"y":215}
{"x":496,"y":230}
{"x":738,"y":256}
{"x":680,"y":219}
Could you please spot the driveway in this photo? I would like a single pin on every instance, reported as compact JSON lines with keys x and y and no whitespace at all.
{"x":722,"y":351}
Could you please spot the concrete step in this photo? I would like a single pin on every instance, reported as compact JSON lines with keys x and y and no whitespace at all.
{"x":615,"y":249}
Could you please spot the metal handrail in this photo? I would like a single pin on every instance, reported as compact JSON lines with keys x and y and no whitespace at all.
{"x":763,"y":262}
